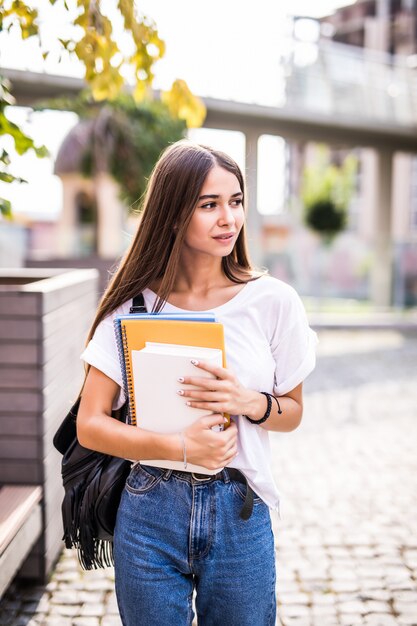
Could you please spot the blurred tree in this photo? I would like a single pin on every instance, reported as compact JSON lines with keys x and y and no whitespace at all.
{"x":124,"y":138}
{"x":326,"y":192}
{"x":94,"y":44}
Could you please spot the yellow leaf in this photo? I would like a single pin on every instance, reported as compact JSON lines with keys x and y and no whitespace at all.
{"x":183,"y":104}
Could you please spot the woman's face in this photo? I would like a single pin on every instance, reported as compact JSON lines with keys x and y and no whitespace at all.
{"x":218,"y":216}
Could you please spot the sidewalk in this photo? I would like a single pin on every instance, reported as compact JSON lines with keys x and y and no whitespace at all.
{"x":347,"y":543}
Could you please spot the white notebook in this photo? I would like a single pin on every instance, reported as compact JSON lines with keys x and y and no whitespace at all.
{"x":156,"y":369}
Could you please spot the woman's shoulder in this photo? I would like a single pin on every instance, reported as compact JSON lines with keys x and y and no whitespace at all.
{"x":270,"y":286}
{"x":122,"y":309}
{"x":275,"y":299}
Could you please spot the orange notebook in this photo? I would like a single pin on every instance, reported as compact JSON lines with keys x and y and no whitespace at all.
{"x":134,"y":333}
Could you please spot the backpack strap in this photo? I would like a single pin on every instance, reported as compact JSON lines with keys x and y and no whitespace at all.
{"x":138,"y":304}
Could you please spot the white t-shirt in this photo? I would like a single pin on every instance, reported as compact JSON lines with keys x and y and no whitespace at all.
{"x":269,"y":347}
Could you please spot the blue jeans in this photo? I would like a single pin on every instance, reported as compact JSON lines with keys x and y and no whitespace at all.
{"x":175,"y":534}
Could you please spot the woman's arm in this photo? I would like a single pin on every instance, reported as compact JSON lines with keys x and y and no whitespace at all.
{"x":291,"y":406}
{"x":227,"y":395}
{"x":97,"y":430}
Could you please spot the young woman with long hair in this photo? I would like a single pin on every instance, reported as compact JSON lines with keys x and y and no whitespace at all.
{"x":178,"y":533}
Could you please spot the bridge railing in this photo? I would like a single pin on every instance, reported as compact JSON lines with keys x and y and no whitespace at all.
{"x":336,"y":79}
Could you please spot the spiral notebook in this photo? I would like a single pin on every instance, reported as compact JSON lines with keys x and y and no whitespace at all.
{"x":156,"y":369}
{"x":133,"y":331}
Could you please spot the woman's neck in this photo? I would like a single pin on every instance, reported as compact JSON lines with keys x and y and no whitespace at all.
{"x":200,"y":277}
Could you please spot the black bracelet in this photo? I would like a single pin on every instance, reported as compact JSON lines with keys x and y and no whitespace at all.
{"x":263,"y":419}
{"x":278,"y":405}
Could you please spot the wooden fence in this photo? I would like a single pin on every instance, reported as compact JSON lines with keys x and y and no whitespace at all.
{"x":44,"y":318}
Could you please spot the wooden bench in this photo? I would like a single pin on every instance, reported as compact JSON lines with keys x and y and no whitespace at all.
{"x":20,"y":528}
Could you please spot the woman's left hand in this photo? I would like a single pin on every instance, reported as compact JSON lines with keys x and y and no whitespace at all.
{"x":223,"y":394}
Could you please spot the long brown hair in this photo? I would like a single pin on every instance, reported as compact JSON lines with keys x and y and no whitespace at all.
{"x":169,"y":202}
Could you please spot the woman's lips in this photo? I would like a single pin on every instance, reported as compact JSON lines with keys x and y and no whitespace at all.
{"x":225,"y":238}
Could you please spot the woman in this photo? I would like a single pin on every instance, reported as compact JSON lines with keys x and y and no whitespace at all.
{"x":178,"y":532}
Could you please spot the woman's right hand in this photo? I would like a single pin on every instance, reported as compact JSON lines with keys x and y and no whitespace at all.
{"x":207,"y":447}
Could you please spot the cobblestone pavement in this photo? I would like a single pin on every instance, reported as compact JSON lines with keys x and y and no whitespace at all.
{"x":347,"y":541}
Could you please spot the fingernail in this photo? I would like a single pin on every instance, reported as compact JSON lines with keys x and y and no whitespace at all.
{"x":188,"y":403}
{"x":194,"y":361}
{"x":180,"y":392}
{"x":225,"y":420}
{"x":180,"y":379}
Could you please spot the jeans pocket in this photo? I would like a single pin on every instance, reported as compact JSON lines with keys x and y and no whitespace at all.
{"x":143,"y":479}
{"x":240,"y":490}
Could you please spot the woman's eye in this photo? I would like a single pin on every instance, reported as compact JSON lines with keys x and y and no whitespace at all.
{"x":209,"y":205}
{"x":237,"y":202}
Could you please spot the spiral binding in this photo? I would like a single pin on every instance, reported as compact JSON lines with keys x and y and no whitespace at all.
{"x":129,"y":378}
{"x":124,"y":363}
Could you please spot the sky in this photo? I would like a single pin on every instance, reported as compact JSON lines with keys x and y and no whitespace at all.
{"x":227,"y":49}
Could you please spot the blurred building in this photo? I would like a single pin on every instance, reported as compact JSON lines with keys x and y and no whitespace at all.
{"x":388,"y":25}
{"x":93,"y":216}
{"x":363,"y":63}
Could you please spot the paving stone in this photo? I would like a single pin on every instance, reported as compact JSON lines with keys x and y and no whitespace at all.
{"x":111,"y":620}
{"x":346,"y":546}
{"x":66,"y":577}
{"x":86,"y":621}
{"x":66,"y":610}
{"x":323,"y":610}
{"x":323,"y":598}
{"x":297,"y":621}
{"x":371,"y":584}
{"x":407,"y":620}
{"x":91,"y":596}
{"x":404,"y":596}
{"x":67,"y":596}
{"x":57,"y":620}
{"x":293,"y":598}
{"x":344,"y":585}
{"x":100,"y":584}
{"x":96,"y":610}
{"x":406,"y":607}
{"x":337,"y":573}
{"x":353,"y":606}
{"x":380,"y":595}
{"x":294,"y":610}
{"x":375,"y":606}
{"x":380,"y":620}
{"x":349,"y":620}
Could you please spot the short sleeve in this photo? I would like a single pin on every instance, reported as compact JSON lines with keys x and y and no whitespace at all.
{"x":102,"y":353}
{"x":293,"y":347}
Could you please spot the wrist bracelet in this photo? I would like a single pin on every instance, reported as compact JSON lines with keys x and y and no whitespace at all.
{"x":184,"y":451}
{"x":263,"y":419}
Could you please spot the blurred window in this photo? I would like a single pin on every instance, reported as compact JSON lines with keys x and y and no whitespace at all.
{"x":413,"y":196}
{"x":272,"y":174}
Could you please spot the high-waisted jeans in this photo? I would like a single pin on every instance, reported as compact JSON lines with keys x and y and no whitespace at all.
{"x":174,"y":534}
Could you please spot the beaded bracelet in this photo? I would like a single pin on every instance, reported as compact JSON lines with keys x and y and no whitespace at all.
{"x":263,"y":419}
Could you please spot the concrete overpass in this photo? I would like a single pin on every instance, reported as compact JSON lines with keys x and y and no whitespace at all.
{"x":374,"y":126}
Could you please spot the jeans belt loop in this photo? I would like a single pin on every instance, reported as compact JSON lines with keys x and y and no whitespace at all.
{"x":167,"y":474}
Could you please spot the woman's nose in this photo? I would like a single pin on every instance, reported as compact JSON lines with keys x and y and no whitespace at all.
{"x":226,"y":216}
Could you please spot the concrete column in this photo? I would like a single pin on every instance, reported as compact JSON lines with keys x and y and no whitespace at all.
{"x":67,"y":227}
{"x":253,"y":220}
{"x":381,"y":276}
{"x":110,"y":211}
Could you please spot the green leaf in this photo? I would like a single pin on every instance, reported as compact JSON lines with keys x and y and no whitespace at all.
{"x":7,"y":177}
{"x":5,"y":208}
